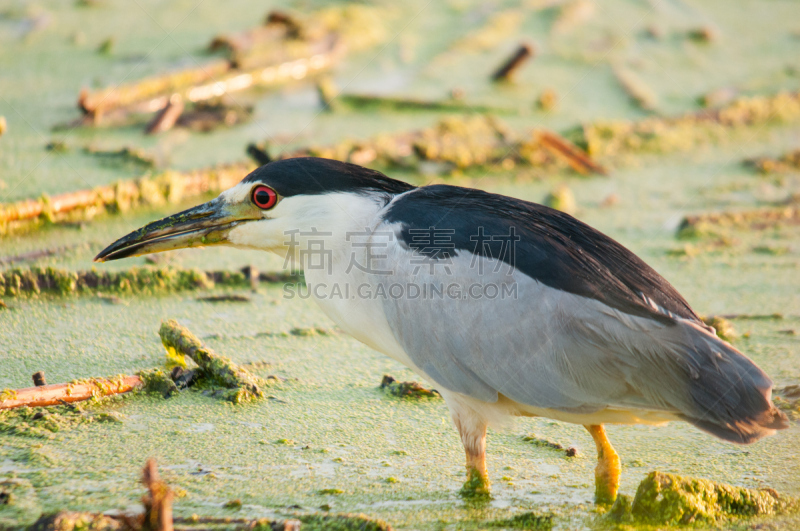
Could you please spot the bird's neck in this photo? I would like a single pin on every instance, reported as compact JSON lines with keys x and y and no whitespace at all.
{"x":330,"y":227}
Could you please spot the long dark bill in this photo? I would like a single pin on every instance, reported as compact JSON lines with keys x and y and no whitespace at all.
{"x":206,"y":224}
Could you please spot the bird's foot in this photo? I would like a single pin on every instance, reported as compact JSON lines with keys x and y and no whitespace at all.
{"x":607,"y":472}
{"x":477,"y":485}
{"x":606,"y":480}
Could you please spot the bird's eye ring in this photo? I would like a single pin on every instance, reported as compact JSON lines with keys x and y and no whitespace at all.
{"x":264,"y":197}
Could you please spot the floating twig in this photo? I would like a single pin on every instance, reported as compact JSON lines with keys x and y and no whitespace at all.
{"x":225,"y":298}
{"x":509,"y":69}
{"x":414,"y":104}
{"x":124,"y":154}
{"x":58,"y":394}
{"x":755,"y":316}
{"x":157,"y":502}
{"x":569,"y":152}
{"x":167,"y":116}
{"x":638,"y":90}
{"x":258,"y":154}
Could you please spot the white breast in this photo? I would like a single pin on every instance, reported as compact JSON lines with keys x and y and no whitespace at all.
{"x":334,"y":278}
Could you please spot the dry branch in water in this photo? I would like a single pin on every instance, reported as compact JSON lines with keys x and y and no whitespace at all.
{"x":284,"y":49}
{"x":571,"y":154}
{"x":58,"y":394}
{"x":166,"y":117}
{"x":213,"y":80}
{"x":638,"y":90}
{"x":508,"y":69}
{"x":157,"y":502}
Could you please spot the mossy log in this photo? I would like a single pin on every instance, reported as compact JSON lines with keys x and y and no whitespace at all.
{"x":57,"y":394}
{"x":19,"y":282}
{"x":166,"y":187}
{"x":219,"y":370}
{"x":712,"y":223}
{"x":461,"y":143}
{"x":669,"y":499}
{"x":684,"y":133}
{"x":789,"y":162}
{"x":286,"y":60}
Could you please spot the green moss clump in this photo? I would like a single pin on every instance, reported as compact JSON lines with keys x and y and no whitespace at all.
{"x":542,"y":443}
{"x":621,"y":510}
{"x":310,"y":332}
{"x":669,"y":499}
{"x":72,"y":521}
{"x":562,"y":198}
{"x":157,"y":381}
{"x":41,"y":422}
{"x":476,"y":487}
{"x":342,"y":522}
{"x":19,"y":504}
{"x":529,"y":520}
{"x":787,"y":399}
{"x":407,"y":389}
{"x":241,"y":386}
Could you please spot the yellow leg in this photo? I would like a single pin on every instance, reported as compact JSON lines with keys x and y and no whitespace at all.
{"x":607,"y":472}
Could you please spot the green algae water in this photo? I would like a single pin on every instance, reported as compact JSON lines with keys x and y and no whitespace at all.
{"x":325,"y":438}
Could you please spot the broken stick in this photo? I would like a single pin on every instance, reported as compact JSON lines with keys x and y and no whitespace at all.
{"x":58,"y":394}
{"x":509,"y":68}
{"x":167,"y":116}
{"x":570,"y":153}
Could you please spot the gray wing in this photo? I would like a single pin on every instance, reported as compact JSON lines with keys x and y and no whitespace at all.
{"x":481,"y":328}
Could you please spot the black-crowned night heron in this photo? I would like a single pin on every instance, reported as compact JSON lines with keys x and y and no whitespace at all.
{"x":510,"y":308}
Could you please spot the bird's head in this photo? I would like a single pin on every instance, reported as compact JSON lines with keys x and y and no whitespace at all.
{"x":304,"y":195}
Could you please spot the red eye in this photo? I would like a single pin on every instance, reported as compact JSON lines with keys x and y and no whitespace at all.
{"x":264,"y":197}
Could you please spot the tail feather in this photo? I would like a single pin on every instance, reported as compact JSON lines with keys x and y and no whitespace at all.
{"x":744,"y":431}
{"x":732,"y":396}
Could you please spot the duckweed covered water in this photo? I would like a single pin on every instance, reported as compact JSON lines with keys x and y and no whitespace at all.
{"x":327,"y":439}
